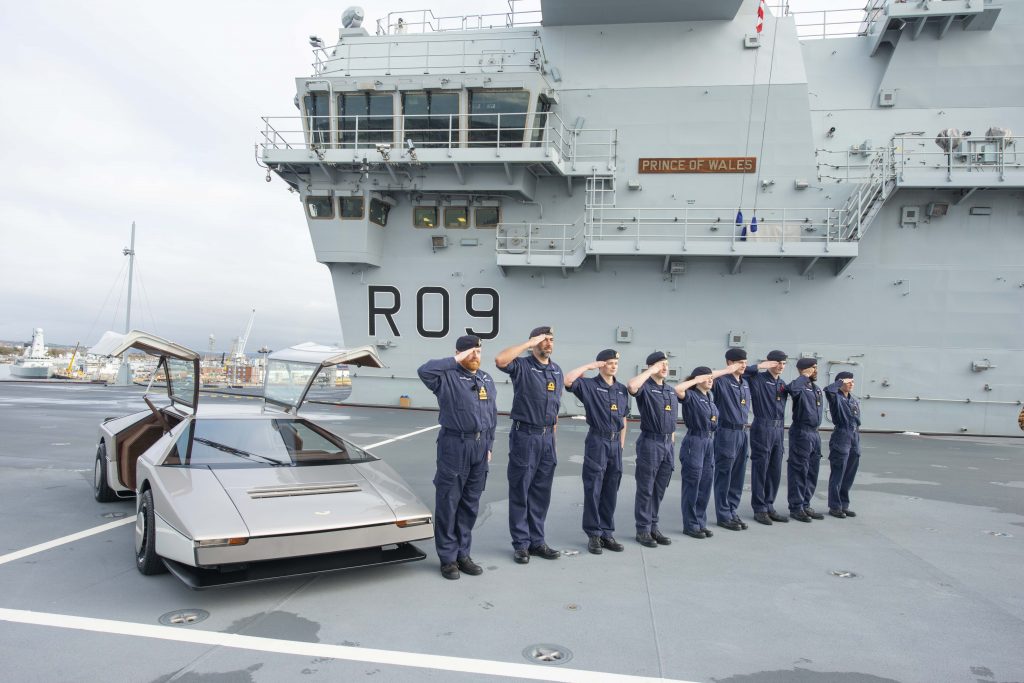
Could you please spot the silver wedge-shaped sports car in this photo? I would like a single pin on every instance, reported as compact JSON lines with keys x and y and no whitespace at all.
{"x":229,"y":494}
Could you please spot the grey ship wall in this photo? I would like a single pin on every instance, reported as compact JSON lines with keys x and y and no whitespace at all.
{"x":909,"y":317}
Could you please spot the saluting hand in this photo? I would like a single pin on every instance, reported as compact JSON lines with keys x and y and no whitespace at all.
{"x":467,"y":354}
{"x":534,"y":341}
{"x":598,"y":364}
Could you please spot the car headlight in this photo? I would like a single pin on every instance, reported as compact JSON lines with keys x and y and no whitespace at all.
{"x":221,"y":542}
{"x":415,"y":521}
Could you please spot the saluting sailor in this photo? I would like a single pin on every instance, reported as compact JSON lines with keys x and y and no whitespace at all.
{"x":768,"y":394}
{"x":658,"y":406}
{"x":606,"y":404}
{"x":697,"y":453}
{"x":804,"y":442}
{"x":732,"y":396}
{"x":537,"y":395}
{"x":843,"y":445}
{"x":468,"y":415}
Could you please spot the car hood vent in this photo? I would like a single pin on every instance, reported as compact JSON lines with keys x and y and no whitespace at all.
{"x":303,"y":490}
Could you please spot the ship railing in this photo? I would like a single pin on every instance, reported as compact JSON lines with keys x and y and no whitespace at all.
{"x":833,"y":22}
{"x":545,"y":240}
{"x":856,"y":164}
{"x":419,"y":56}
{"x":390,"y":136}
{"x":968,"y":160}
{"x":689,"y":227}
{"x":425,"y":21}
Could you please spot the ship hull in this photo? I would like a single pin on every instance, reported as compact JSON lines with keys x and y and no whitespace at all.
{"x":31,"y":371}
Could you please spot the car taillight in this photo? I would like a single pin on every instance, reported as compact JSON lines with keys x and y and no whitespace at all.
{"x":221,"y":542}
{"x":415,"y":521}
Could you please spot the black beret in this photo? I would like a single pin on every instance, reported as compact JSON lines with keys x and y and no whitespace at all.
{"x":467,"y":341}
{"x":805,"y":363}
{"x":700,"y":370}
{"x":655,"y":357}
{"x":543,"y":329}
{"x":608,"y":354}
{"x":777,"y":355}
{"x":735,"y":354}
{"x":844,"y":375}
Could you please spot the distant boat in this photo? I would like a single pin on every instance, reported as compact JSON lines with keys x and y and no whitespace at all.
{"x":34,"y":363}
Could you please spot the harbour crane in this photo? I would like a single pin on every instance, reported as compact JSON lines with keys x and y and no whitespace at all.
{"x":238,"y":351}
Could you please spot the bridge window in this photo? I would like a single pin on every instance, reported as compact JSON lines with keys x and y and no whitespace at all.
{"x":488,"y":216}
{"x":365,"y":119}
{"x":318,"y":117}
{"x":379,"y":212}
{"x":319,"y":208}
{"x":424,"y":217}
{"x":497,"y":118}
{"x":456,"y":217}
{"x":431,"y":118}
{"x":352,"y":207}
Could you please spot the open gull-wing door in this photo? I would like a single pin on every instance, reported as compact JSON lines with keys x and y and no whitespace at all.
{"x":180,"y":363}
{"x":292,"y":372}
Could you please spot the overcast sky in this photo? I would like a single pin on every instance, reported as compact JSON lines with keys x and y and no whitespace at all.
{"x":117,"y":111}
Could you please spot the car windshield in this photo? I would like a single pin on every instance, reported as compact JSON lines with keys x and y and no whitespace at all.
{"x":287,"y":380}
{"x":261,"y":443}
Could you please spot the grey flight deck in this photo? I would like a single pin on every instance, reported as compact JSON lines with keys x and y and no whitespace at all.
{"x":937,"y":550}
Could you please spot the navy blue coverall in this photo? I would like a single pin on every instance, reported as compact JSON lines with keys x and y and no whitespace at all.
{"x":804,"y":443}
{"x":768,"y":396}
{"x":843,"y":445}
{"x":697,"y":457}
{"x":732,"y":396}
{"x":658,"y":406}
{"x":607,"y":407}
{"x":469,"y":413}
{"x":536,"y":398}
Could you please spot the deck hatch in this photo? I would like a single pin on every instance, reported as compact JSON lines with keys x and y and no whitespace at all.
{"x":303,"y":490}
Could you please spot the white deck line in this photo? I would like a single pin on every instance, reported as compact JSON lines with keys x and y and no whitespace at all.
{"x":403,"y":436}
{"x":32,"y":550}
{"x":341,"y":652}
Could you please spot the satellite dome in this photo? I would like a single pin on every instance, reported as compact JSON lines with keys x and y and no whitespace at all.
{"x":353,"y":17}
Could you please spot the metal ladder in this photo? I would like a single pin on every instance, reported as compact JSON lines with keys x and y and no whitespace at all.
{"x":867,"y":200}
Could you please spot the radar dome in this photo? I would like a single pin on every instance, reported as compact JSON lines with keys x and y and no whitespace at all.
{"x":353,"y":17}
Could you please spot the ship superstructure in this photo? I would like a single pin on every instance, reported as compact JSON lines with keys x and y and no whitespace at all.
{"x":35,"y":362}
{"x":661,"y":175}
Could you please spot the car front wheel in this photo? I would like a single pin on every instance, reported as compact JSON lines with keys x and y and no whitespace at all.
{"x":100,"y":490}
{"x":146,"y":559}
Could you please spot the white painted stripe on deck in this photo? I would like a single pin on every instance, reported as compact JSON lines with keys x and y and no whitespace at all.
{"x":403,"y":436}
{"x":342,"y":652}
{"x":19,"y":554}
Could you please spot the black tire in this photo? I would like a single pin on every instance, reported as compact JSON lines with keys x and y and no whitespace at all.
{"x":100,"y":490}
{"x":146,"y":559}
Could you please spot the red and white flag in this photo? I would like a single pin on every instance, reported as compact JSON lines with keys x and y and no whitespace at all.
{"x":760,"y":15}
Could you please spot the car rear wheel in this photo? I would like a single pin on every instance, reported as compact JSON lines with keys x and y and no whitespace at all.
{"x":146,"y":559}
{"x":100,"y":490}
